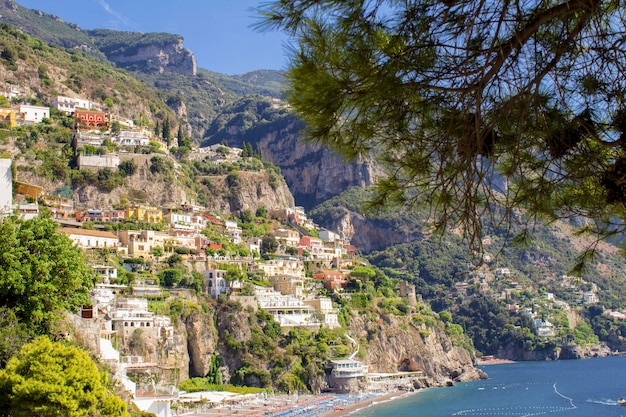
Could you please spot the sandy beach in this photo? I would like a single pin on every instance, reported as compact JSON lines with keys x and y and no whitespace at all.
{"x":359,"y":405}
{"x":330,"y":405}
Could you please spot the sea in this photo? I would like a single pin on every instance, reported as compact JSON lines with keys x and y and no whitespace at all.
{"x":572,"y":388}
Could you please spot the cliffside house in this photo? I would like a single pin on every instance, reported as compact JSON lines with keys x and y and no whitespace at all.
{"x":61,"y":208}
{"x":287,"y":237}
{"x":216,"y":282}
{"x":280,"y":266}
{"x":324,"y":306}
{"x":92,"y":239}
{"x":105,"y":273}
{"x":331,"y":279}
{"x":140,"y":243}
{"x":129,"y":314}
{"x":95,"y":162}
{"x":346,"y":375}
{"x":145,"y":214}
{"x":90,"y":119}
{"x":287,"y":310}
{"x":32,"y":114}
{"x":101,"y":216}
{"x":294,"y":215}
{"x":8,"y":116}
{"x":134,"y":137}
{"x":70,"y":104}
{"x":329,"y":236}
{"x":288,"y":285}
{"x":234,"y":232}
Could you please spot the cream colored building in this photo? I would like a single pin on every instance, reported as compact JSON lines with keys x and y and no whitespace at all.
{"x":140,"y":243}
{"x":91,"y":239}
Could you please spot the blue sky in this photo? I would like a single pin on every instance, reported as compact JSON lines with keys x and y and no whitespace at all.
{"x":218,"y":32}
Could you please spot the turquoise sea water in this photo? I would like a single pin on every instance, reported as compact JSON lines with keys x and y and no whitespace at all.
{"x":576,"y":388}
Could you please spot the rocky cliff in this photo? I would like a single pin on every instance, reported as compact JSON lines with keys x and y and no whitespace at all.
{"x":402,"y":344}
{"x":313,"y":173}
{"x":148,"y":53}
{"x":250,"y":191}
{"x":385,"y":343}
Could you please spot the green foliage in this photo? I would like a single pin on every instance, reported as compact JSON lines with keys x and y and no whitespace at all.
{"x":583,"y":335}
{"x":269,"y":244}
{"x":41,"y":271}
{"x":445,"y":316}
{"x":485,"y":322}
{"x":127,"y":168}
{"x":53,"y":379}
{"x":170,"y":277}
{"x":161,"y":165}
{"x":395,"y":306}
{"x":13,"y":335}
{"x":364,"y":82}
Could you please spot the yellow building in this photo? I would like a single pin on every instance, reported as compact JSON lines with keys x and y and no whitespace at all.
{"x":8,"y":115}
{"x":145,"y":214}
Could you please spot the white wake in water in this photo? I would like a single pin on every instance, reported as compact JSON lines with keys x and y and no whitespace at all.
{"x":520,"y":411}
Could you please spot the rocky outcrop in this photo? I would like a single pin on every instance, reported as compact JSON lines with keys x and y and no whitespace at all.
{"x":394,"y":344}
{"x":517,"y":353}
{"x":150,"y":53}
{"x":365,"y":233}
{"x":201,"y":342}
{"x":314,"y":173}
{"x":248,"y":191}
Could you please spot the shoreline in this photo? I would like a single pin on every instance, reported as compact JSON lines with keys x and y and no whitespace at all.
{"x":483,"y":362}
{"x":367,"y":403}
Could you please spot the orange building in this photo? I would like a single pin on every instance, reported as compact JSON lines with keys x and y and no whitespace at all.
{"x":90,"y":119}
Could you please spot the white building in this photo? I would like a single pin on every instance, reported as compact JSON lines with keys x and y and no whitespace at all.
{"x":111,"y":161}
{"x":233,"y":231}
{"x":325,"y":306}
{"x":132,"y":138}
{"x":288,"y":237}
{"x":182,"y":219}
{"x":287,"y":310}
{"x":70,"y":104}
{"x":590,"y":297}
{"x":328,"y":236}
{"x":216,"y":283}
{"x":34,"y":114}
{"x":280,"y":266}
{"x":26,"y":210}
{"x":106,"y":273}
{"x":543,"y":328}
{"x":6,"y":187}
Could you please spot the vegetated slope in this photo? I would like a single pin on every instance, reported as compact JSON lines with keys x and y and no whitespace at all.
{"x":44,"y":71}
{"x":203,"y":93}
{"x":445,"y":275}
{"x":51,"y":29}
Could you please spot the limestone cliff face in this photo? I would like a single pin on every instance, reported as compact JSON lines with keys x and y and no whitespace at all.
{"x":365,"y":233}
{"x":314,"y":173}
{"x":249,"y":191}
{"x":156,"y":58}
{"x":201,"y":342}
{"x":395,"y":344}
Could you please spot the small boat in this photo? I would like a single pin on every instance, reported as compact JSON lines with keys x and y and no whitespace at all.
{"x":621,"y":401}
